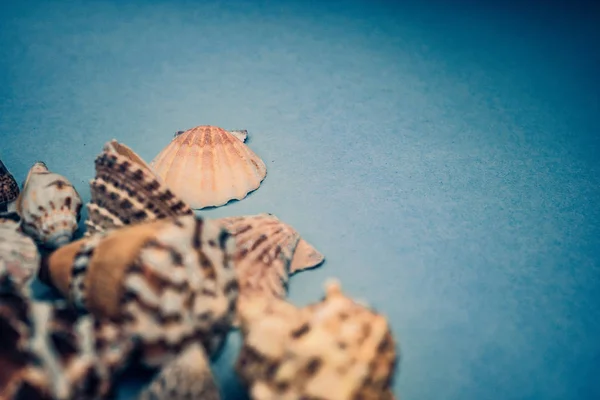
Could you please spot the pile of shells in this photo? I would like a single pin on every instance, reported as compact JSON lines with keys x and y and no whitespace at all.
{"x":151,"y":283}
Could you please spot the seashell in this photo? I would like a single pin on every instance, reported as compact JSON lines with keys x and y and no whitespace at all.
{"x":169,"y":282}
{"x":334,"y":349}
{"x":19,"y":256}
{"x":209,"y":166}
{"x":49,"y":206}
{"x":126,"y":191}
{"x":186,"y":377}
{"x":9,"y":189}
{"x":267,"y":252}
{"x":50,"y":352}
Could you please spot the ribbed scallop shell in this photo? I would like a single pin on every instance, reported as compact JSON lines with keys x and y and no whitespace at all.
{"x":335,"y":349}
{"x":19,"y":256}
{"x":9,"y":188}
{"x":209,"y":166}
{"x":49,"y":206}
{"x":186,"y":377}
{"x":126,"y":191}
{"x":267,"y":252}
{"x":169,"y":281}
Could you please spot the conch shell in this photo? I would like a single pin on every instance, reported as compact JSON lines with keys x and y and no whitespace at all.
{"x":126,"y":191}
{"x":170,"y":282}
{"x":9,"y":189}
{"x":49,"y":206}
{"x":209,"y":166}
{"x":335,"y":349}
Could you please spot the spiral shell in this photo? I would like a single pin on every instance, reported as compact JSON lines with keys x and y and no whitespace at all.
{"x":19,"y":256}
{"x":49,"y":206}
{"x":335,"y":349}
{"x":169,"y":281}
{"x":209,"y":166}
{"x":9,"y":188}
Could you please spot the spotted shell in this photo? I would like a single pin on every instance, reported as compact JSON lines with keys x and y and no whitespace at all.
{"x":50,"y":352}
{"x":19,"y":256}
{"x":209,"y":166}
{"x":126,"y":191}
{"x":267,"y":252}
{"x":9,"y":188}
{"x":188,"y":376}
{"x":49,"y":206}
{"x":169,"y":281}
{"x":335,"y":349}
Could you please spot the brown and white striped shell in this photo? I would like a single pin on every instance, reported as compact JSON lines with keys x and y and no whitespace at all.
{"x":9,"y":189}
{"x":335,"y":349}
{"x":50,"y":352}
{"x":169,"y":281}
{"x":126,"y":191}
{"x":209,"y":166}
{"x":267,"y":252}
{"x":186,"y":377}
{"x":49,"y":206}
{"x":19,"y":256}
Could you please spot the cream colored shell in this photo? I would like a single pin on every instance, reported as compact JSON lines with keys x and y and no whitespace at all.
{"x":208,"y":166}
{"x":49,"y":207}
{"x":19,"y":256}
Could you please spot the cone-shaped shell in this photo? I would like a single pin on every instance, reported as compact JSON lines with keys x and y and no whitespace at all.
{"x":19,"y":256}
{"x":209,"y":166}
{"x":126,"y":191}
{"x":168,"y":281}
{"x":188,"y":376}
{"x":9,"y":188}
{"x":335,"y":349}
{"x":49,"y":206}
{"x":267,"y":250}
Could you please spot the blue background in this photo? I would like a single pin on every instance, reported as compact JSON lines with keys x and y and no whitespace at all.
{"x":444,"y":156}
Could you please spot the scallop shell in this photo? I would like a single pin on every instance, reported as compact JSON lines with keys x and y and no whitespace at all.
{"x":50,"y":352}
{"x":267,"y":252}
{"x":126,"y":191}
{"x":186,"y":377}
{"x":169,"y":281}
{"x":19,"y":256}
{"x":49,"y":206}
{"x":9,"y":188}
{"x":335,"y":349}
{"x":209,"y":166}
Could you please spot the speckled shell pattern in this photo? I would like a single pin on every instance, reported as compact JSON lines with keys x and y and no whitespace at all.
{"x":209,"y":166}
{"x":125,"y":191}
{"x":9,"y":188}
{"x":336,"y":349}
{"x":49,"y":351}
{"x":265,"y":249}
{"x":19,"y":256}
{"x":49,"y":206}
{"x":169,"y":282}
{"x":186,"y":377}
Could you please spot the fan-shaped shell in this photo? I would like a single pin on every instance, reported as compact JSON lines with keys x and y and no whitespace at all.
{"x":19,"y":256}
{"x":209,"y":166}
{"x":9,"y":188}
{"x":335,"y":349}
{"x":169,"y":281}
{"x":267,"y":252}
{"x":126,"y":191}
{"x":49,"y":206}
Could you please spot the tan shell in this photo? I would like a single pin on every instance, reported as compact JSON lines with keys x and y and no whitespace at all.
{"x":49,"y":206}
{"x":186,"y":377}
{"x":9,"y":188}
{"x":19,"y":256}
{"x":168,"y":281}
{"x":267,"y":252}
{"x":126,"y":191}
{"x":209,"y":166}
{"x":335,"y":349}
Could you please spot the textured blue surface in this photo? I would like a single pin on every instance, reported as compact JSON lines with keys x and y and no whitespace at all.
{"x":444,"y":157}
